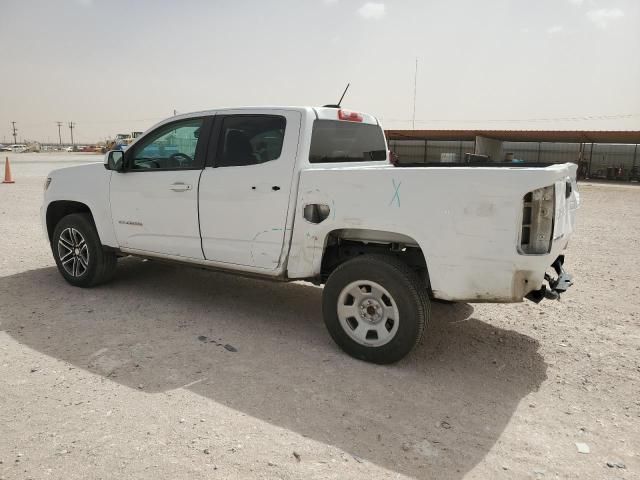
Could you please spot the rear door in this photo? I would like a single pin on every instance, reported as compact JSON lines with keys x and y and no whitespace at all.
{"x":245,"y":189}
{"x":154,"y":202}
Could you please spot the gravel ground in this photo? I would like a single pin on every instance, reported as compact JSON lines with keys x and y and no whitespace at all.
{"x":39,"y":164}
{"x":175,"y":372}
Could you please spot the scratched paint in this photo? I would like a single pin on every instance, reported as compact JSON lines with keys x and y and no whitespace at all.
{"x":255,"y":238}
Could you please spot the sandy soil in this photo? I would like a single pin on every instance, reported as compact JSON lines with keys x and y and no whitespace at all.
{"x":180,"y":373}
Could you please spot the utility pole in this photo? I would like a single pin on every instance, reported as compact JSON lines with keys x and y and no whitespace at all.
{"x":15,"y":132}
{"x":71,"y":127}
{"x":59,"y":134}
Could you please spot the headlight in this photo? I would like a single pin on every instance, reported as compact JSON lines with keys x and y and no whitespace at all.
{"x":47,"y":182}
{"x":538,"y":208}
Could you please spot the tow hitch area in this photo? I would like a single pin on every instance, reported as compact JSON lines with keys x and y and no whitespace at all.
{"x":556,"y":286}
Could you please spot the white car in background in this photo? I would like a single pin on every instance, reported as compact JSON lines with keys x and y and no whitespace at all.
{"x":18,"y":148}
{"x":308,"y":193}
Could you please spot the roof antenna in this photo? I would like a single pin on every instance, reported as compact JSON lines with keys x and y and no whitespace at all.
{"x":415,"y":93}
{"x":339,"y":101}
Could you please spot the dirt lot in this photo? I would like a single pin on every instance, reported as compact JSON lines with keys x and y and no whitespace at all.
{"x":180,"y":373}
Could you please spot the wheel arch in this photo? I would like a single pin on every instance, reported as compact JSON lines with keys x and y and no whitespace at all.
{"x":58,"y":209}
{"x":342,"y":244}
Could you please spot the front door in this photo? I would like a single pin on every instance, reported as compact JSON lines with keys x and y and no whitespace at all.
{"x":244,"y":195}
{"x":154,"y":202}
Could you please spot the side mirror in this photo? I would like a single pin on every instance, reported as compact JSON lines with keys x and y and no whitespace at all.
{"x":114,"y":160}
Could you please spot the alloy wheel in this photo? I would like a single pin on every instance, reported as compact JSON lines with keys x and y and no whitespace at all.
{"x":73,"y":252}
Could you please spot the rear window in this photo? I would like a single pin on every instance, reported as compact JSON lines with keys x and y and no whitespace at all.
{"x":339,"y":141}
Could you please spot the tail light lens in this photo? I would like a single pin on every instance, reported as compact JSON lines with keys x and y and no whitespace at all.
{"x":538,"y":212}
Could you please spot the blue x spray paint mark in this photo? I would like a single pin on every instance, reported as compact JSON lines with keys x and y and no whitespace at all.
{"x":396,"y":193}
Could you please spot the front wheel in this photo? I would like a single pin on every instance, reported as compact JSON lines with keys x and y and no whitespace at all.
{"x":375,"y":308}
{"x":79,"y":254}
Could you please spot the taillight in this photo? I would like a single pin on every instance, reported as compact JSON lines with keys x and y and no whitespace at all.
{"x":538,"y":211}
{"x":349,"y":116}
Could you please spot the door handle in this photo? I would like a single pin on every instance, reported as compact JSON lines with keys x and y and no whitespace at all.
{"x":180,"y":187}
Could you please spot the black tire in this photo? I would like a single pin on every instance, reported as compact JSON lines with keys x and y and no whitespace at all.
{"x":407,"y":291}
{"x":95,"y":265}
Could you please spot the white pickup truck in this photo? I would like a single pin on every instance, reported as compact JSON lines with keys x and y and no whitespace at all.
{"x":303,"y":193}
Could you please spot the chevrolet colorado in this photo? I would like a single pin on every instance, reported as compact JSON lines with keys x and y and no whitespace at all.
{"x":304,"y":193}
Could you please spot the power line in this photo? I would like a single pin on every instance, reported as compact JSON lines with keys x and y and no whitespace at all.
{"x":98,"y":122}
{"x":551,"y":119}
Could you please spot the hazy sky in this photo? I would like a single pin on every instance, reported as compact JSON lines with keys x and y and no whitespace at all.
{"x":116,"y":66}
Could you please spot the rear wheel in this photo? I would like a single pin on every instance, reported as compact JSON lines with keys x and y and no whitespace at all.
{"x":375,"y":308}
{"x":79,"y":254}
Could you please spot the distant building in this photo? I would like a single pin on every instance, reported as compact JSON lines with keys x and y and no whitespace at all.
{"x":600,"y":154}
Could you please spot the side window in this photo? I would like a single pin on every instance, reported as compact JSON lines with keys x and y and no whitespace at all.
{"x":170,"y":147}
{"x":250,"y":140}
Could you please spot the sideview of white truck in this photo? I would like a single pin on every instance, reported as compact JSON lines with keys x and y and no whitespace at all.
{"x":304,"y":193}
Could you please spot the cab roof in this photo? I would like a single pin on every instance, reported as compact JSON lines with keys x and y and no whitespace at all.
{"x":322,"y":113}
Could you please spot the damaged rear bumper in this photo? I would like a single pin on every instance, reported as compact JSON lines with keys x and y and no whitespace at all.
{"x":556,"y":286}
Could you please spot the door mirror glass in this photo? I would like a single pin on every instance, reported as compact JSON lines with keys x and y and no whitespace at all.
{"x":115,"y":160}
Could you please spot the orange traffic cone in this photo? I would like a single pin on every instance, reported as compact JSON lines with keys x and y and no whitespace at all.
{"x":7,"y":172}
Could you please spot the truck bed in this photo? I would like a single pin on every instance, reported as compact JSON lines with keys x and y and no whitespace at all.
{"x":466,"y":220}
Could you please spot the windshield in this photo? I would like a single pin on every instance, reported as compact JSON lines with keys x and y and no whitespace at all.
{"x":339,"y":141}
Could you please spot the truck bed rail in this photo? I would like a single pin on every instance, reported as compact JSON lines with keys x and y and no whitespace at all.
{"x":479,"y":164}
